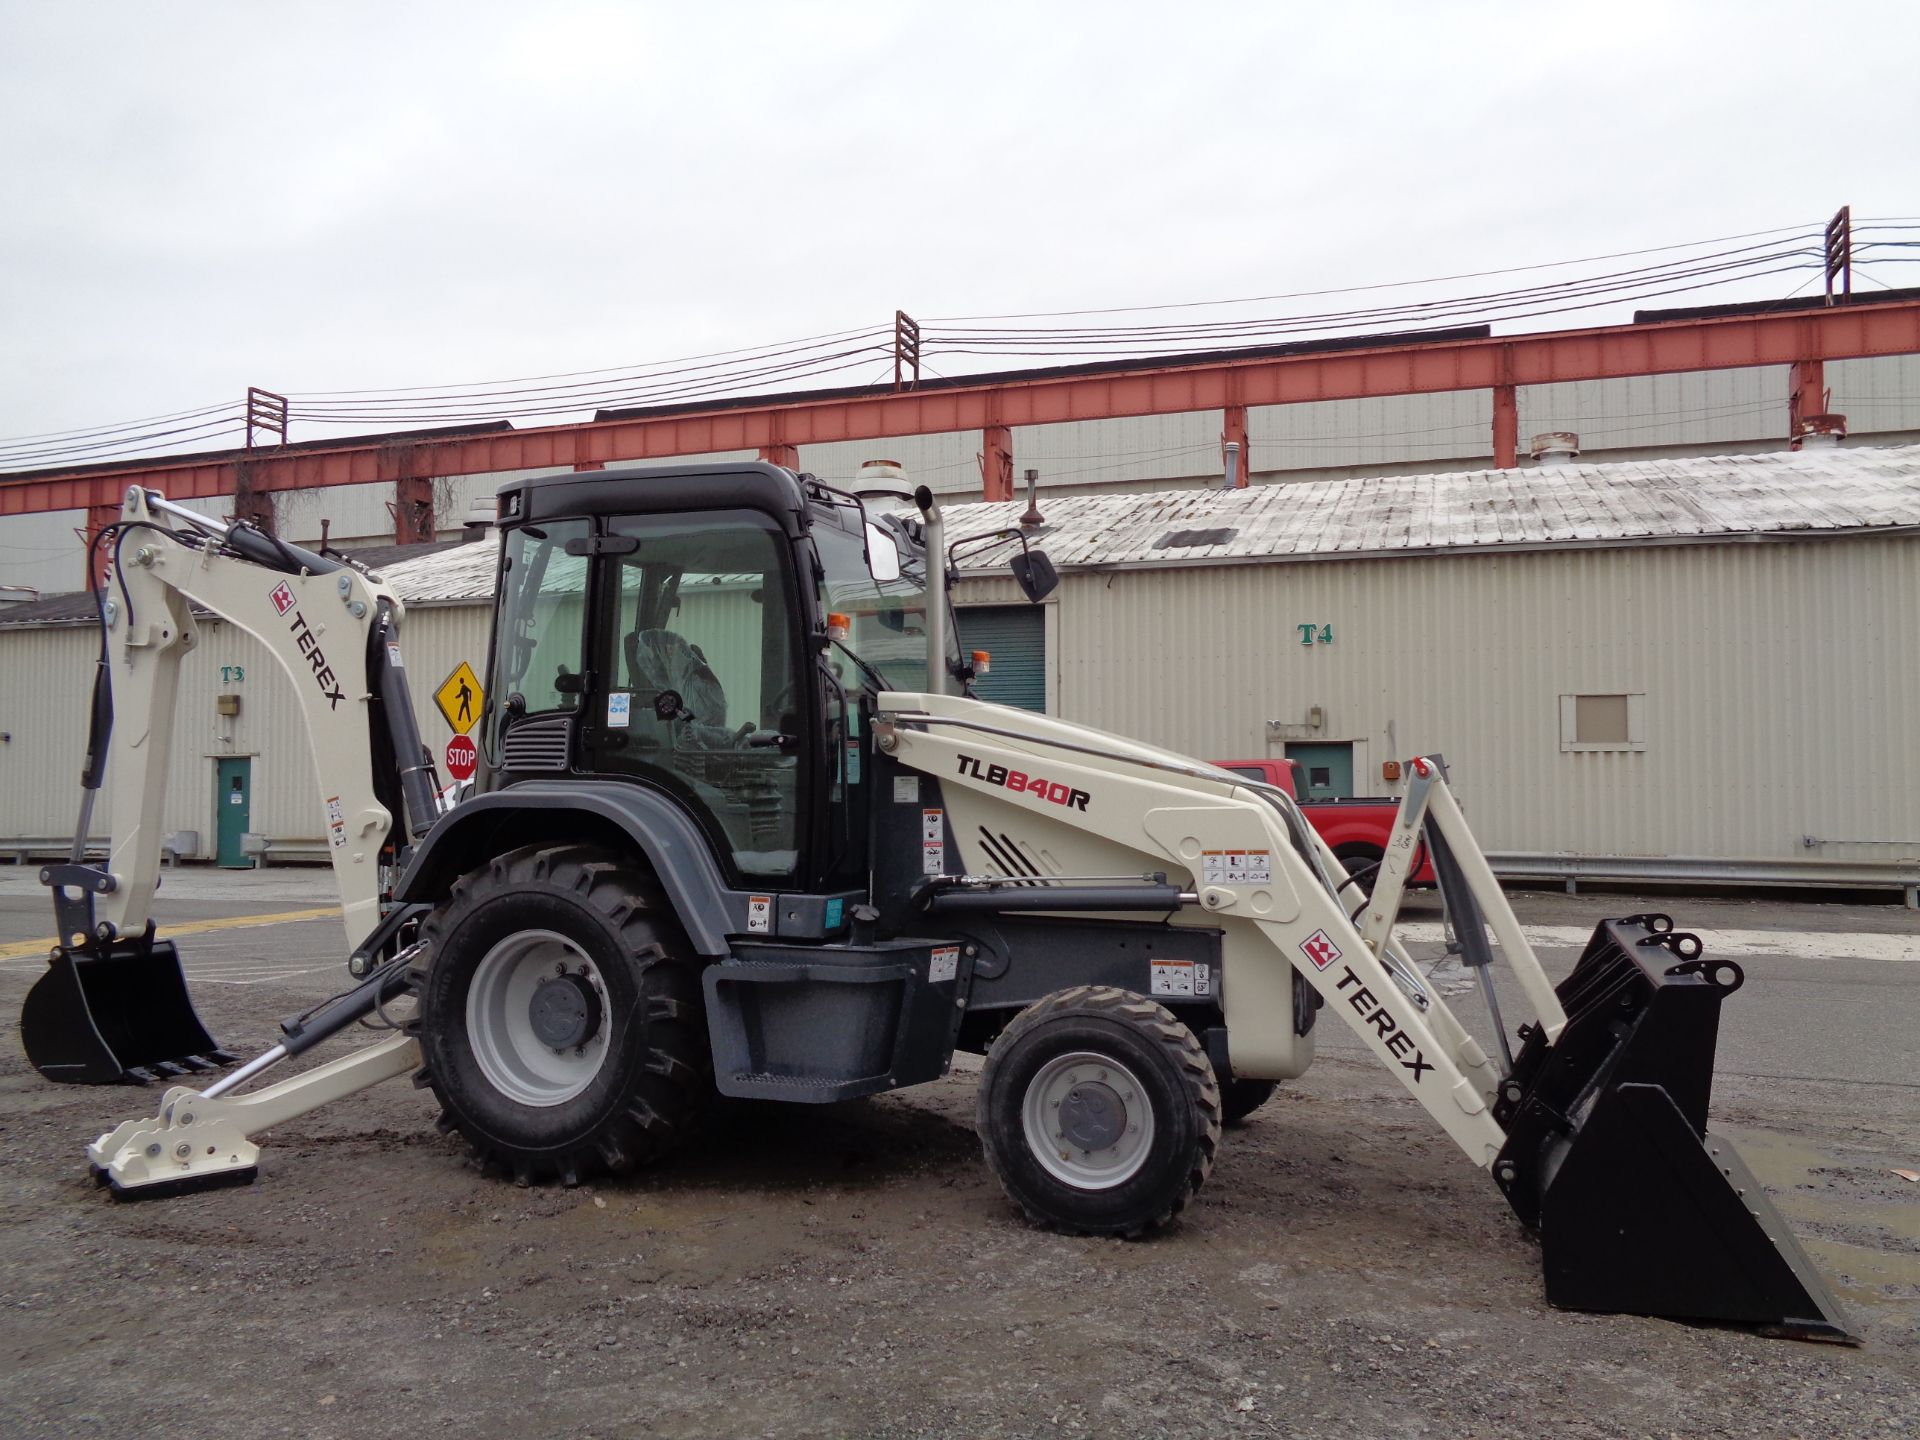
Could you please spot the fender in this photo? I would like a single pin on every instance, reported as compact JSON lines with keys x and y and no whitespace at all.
{"x":707,"y":908}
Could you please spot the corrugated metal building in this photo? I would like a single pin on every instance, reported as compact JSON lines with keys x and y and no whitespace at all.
{"x":1713,"y":411}
{"x":1695,"y":667}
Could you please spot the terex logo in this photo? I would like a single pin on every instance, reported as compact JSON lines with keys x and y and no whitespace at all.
{"x":282,"y":597}
{"x":1050,"y":790}
{"x":309,"y":644}
{"x":1321,"y":950}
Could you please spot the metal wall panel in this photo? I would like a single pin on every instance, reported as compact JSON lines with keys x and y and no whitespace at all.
{"x":1778,"y":680}
{"x":42,"y":551}
{"x":1391,"y":429}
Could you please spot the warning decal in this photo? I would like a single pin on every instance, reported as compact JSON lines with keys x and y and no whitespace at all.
{"x":1236,"y":867}
{"x":1171,"y":977}
{"x":933,"y":845}
{"x":760,"y":914}
{"x":944,"y":965}
{"x":336,"y":822}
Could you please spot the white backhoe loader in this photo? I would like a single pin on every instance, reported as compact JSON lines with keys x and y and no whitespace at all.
{"x":734,"y":831}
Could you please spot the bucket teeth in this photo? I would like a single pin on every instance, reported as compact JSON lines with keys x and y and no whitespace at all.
{"x":114,"y":1012}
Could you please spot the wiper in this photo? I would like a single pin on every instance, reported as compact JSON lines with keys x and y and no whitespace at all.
{"x":878,"y":680}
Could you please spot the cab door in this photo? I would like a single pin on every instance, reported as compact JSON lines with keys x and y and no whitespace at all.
{"x":697,"y":687}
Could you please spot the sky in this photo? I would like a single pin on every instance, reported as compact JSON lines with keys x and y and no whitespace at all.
{"x":321,"y":197}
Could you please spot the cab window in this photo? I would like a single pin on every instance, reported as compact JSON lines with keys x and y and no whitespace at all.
{"x":698,"y":653}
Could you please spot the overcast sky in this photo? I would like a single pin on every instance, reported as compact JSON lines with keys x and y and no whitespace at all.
{"x":202,"y":196}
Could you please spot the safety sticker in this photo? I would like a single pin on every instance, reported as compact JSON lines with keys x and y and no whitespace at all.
{"x":853,"y":762}
{"x":944,"y":965}
{"x":933,"y":845}
{"x":760,"y":914}
{"x":906,"y":789}
{"x":393,"y":657}
{"x":1171,"y":977}
{"x":336,"y":822}
{"x":836,"y":912}
{"x":1319,"y":949}
{"x":1236,"y":867}
{"x":619,"y":709}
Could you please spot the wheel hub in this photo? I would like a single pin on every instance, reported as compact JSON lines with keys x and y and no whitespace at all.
{"x":565,"y":1011}
{"x":1092,"y":1116}
{"x":1088,"y":1120}
{"x":537,"y":1018}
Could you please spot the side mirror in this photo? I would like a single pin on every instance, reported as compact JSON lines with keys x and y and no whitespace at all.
{"x":883,"y":556}
{"x":1035,"y":574}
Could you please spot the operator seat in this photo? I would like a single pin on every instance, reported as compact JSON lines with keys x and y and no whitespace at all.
{"x":664,"y":660}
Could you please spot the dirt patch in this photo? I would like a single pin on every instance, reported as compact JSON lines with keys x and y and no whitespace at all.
{"x":854,"y":1271}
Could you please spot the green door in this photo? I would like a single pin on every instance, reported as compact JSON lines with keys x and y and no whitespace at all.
{"x":232,"y":805}
{"x":1326,"y":771}
{"x":1016,"y":637}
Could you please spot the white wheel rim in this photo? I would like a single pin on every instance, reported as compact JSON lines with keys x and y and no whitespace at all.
{"x":1075,"y":1103}
{"x":514,"y":1059}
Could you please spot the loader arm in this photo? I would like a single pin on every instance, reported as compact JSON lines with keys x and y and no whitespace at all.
{"x":1093,"y":804}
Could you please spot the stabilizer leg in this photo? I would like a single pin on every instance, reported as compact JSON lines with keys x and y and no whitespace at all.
{"x":195,"y":1142}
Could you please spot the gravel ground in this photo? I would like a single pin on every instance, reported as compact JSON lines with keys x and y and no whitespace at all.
{"x":854,"y":1271}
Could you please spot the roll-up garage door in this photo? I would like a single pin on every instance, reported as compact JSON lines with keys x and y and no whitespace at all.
{"x":1016,"y":637}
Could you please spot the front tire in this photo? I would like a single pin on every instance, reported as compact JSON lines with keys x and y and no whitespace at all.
{"x":1099,"y":1112}
{"x":561,"y":1017}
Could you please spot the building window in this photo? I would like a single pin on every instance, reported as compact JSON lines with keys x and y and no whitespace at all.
{"x":1602,"y":722}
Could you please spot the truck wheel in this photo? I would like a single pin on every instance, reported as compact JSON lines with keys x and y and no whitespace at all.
{"x":561,"y":1017}
{"x":1363,"y":863}
{"x":1099,"y":1112}
{"x":1240,"y":1098}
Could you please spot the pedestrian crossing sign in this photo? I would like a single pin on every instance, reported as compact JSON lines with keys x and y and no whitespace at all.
{"x":460,"y":698}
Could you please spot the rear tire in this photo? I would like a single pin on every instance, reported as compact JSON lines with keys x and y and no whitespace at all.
{"x":1240,"y":1098}
{"x":609,"y":1067}
{"x":1099,"y":1112}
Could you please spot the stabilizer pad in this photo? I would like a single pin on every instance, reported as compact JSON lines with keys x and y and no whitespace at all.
{"x":181,"y":1185}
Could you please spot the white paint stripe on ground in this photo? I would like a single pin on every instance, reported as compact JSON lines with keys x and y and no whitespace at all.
{"x":1726,"y":944}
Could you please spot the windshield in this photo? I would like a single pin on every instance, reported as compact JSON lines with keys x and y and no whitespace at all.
{"x":887,"y":621}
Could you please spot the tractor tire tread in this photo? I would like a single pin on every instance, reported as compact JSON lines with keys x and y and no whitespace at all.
{"x":1156,"y":1023}
{"x":671,"y":1085}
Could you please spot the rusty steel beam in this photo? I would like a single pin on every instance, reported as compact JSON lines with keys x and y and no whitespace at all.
{"x":787,"y":455}
{"x":996,"y":462}
{"x":1851,"y":331}
{"x":1506,"y":427}
{"x":413,"y":518}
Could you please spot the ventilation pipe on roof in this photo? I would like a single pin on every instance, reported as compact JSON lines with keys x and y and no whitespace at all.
{"x":1233,"y":466}
{"x":481,"y":517}
{"x":883,"y":485}
{"x":1555,"y":447}
{"x":1032,"y":519}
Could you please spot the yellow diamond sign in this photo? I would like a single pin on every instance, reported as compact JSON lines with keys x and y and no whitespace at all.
{"x":460,"y":698}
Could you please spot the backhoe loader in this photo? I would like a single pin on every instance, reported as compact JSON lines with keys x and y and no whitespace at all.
{"x":738,"y":829}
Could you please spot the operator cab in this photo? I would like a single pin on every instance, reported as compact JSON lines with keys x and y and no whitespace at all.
{"x":718,"y":633}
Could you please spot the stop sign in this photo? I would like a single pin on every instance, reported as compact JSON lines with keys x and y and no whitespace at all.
{"x":461,"y":757}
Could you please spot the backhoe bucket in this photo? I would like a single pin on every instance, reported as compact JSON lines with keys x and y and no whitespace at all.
{"x":118,"y":1012}
{"x":1639,"y":1209}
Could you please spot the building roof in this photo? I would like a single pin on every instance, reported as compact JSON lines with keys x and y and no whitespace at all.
{"x":77,"y":607}
{"x":1691,"y":501}
{"x":1696,"y":500}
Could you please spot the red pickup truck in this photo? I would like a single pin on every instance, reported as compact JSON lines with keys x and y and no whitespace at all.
{"x":1355,"y":830}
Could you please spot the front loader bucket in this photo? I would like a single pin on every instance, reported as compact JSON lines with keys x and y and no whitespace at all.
{"x":1639,"y":1209}
{"x":113,"y":1012}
